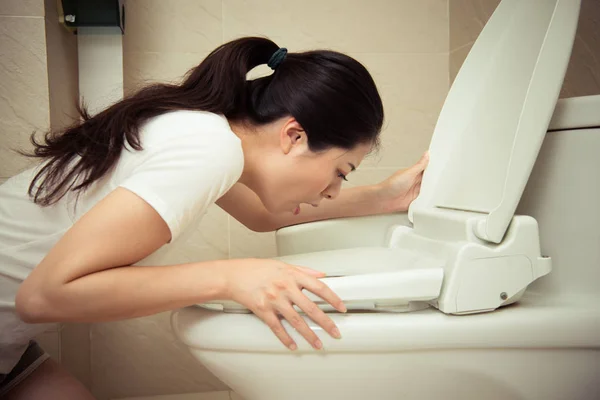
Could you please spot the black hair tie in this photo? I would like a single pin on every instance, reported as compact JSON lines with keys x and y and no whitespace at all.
{"x":277,"y":58}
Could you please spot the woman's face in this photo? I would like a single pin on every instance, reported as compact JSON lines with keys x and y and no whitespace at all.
{"x":287,"y":173}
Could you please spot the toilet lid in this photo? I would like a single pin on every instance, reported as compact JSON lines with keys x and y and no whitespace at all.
{"x":497,"y":112}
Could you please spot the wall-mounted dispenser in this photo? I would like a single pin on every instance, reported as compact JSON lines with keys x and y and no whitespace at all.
{"x":74,"y":14}
{"x":99,"y":26}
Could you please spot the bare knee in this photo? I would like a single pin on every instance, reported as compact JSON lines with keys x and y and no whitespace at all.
{"x":49,"y":381}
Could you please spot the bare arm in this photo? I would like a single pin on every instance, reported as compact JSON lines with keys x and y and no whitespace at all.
{"x":392,"y":195}
{"x":88,"y":276}
{"x":245,"y":206}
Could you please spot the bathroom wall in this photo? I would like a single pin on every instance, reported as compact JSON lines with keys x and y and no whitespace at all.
{"x":404,"y":43}
{"x":467,"y":18}
{"x":24,"y":97}
{"x":24,"y":104}
{"x":38,"y":90}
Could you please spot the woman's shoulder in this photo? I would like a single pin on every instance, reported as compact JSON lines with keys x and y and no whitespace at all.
{"x":189,"y":128}
{"x":181,"y":122}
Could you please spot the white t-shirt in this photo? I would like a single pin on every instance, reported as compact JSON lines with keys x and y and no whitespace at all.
{"x":189,"y":160}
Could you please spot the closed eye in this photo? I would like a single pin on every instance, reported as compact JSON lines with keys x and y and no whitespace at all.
{"x":340,"y":175}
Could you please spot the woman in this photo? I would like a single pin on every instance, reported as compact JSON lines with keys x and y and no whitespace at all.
{"x":85,"y":236}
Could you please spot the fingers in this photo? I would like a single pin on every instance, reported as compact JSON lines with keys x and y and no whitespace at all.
{"x":314,"y":313}
{"x":284,"y":293}
{"x":417,"y":189}
{"x":270,"y":318}
{"x":311,"y":272}
{"x":300,"y":325}
{"x":323,"y":291}
{"x":420,"y":166}
{"x":285,"y":308}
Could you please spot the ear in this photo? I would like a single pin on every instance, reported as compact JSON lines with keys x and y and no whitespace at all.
{"x":292,"y":136}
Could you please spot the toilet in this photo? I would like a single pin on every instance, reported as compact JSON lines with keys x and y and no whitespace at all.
{"x":489,"y":287}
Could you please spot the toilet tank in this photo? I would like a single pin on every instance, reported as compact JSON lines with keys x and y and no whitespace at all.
{"x":563,"y":195}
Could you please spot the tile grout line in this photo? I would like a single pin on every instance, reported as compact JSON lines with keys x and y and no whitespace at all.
{"x":222,"y":23}
{"x":22,"y":16}
{"x":449,"y":41}
{"x":462,"y":46}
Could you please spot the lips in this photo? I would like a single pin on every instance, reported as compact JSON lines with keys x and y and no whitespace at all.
{"x":297,"y":209}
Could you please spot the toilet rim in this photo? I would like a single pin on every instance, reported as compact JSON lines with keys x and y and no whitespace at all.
{"x":530,"y":324}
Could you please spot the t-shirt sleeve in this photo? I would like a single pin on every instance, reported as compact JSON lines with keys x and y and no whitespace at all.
{"x":181,"y":177}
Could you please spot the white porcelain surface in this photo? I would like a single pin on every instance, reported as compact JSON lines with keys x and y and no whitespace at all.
{"x":494,"y":374}
{"x":532,"y":350}
{"x":342,"y":233}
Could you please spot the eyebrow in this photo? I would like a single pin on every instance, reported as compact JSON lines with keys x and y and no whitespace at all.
{"x":352,"y":166}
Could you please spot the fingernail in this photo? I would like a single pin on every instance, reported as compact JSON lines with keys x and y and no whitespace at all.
{"x":293,"y":346}
{"x":336,"y":333}
{"x":342,"y":308}
{"x":318,"y":345}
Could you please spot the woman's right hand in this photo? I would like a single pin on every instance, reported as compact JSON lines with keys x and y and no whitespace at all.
{"x":270,"y":288}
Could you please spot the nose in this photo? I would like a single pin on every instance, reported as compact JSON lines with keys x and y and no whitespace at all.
{"x":332,"y":191}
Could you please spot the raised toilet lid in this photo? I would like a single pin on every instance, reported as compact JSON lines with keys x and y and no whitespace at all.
{"x":484,"y":146}
{"x":497,"y":112}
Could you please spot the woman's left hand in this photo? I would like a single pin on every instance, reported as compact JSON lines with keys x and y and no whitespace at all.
{"x":400,"y":189}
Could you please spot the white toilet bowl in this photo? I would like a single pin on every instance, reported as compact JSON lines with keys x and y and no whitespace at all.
{"x":544,"y":346}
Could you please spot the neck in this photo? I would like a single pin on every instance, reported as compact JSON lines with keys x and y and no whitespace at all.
{"x":249,"y":138}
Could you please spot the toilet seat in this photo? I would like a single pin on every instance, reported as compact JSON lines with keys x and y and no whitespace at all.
{"x":368,"y":278}
{"x":466,"y":251}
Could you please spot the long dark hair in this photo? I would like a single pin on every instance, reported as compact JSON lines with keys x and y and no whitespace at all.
{"x":331,"y":95}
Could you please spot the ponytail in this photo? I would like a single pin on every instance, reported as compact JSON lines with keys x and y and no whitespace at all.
{"x":83,"y":153}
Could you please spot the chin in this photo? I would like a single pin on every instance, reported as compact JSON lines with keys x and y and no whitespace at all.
{"x":273,"y":207}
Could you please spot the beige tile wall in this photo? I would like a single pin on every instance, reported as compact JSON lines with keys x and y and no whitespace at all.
{"x":24,"y":105}
{"x":467,"y":18}
{"x":583,"y":73}
{"x":24,"y":97}
{"x":404,"y":43}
